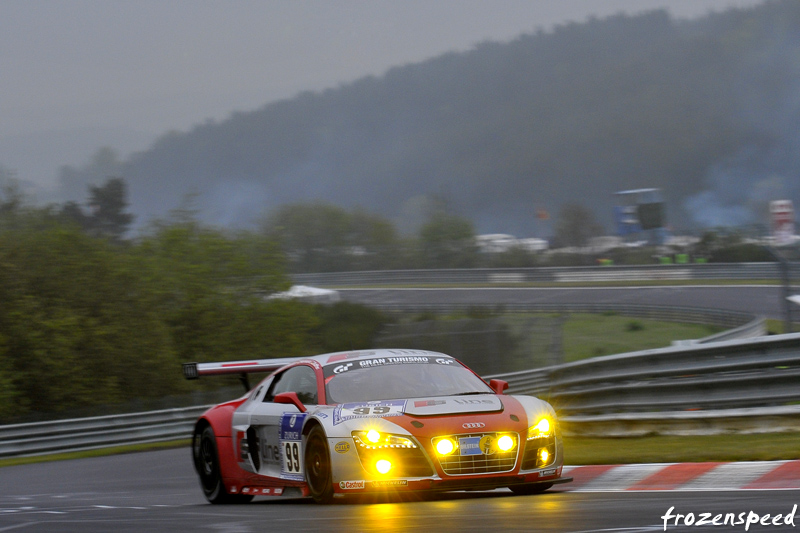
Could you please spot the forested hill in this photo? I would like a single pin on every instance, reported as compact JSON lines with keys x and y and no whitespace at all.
{"x":708,"y":110}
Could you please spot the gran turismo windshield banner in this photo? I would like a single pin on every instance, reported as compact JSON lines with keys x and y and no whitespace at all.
{"x":342,"y":367}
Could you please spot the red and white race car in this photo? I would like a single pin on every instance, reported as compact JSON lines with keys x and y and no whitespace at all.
{"x":372,"y":421}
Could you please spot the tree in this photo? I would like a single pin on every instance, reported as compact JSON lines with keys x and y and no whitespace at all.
{"x":210,"y":292}
{"x":79,"y":326}
{"x":107,"y":204}
{"x":575,"y":226}
{"x":321,"y":237}
{"x":448,"y":241}
{"x":11,"y":197}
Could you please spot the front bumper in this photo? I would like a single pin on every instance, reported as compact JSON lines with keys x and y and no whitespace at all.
{"x":350,"y":476}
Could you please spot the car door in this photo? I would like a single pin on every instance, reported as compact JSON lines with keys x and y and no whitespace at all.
{"x":275,"y":428}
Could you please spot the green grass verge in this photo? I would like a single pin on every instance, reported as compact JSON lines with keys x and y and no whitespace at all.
{"x":594,"y":335}
{"x":116,"y":450}
{"x":674,"y":449}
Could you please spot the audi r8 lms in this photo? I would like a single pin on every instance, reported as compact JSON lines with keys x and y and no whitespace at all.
{"x":371,"y":421}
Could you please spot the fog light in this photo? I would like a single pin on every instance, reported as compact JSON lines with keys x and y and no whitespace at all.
{"x":505,"y":443}
{"x":383,"y":466}
{"x":543,"y":455}
{"x":445,"y":447}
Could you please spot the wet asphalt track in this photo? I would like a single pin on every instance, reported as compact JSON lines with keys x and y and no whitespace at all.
{"x":158,"y":492}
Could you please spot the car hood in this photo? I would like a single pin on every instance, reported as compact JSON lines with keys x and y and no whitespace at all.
{"x":447,"y":405}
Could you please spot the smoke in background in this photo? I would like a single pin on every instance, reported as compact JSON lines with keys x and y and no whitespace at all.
{"x":740,"y":187}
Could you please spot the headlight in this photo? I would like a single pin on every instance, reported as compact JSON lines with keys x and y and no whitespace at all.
{"x":542,"y":429}
{"x":506,"y":443}
{"x":445,"y":446}
{"x":386,"y":454}
{"x":375,"y":440}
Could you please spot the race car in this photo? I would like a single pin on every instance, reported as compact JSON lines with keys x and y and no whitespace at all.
{"x":371,"y":421}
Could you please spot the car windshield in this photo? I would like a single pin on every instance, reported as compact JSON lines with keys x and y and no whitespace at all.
{"x":388,"y":378}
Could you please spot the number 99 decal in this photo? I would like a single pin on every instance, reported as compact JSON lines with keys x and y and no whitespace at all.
{"x":292,"y":458}
{"x":292,"y":446}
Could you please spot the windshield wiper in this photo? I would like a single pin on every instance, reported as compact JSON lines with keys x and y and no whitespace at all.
{"x":470,"y":393}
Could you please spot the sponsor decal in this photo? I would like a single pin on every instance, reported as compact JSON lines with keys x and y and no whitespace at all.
{"x":390,"y":483}
{"x":342,"y":368}
{"x":376,"y":409}
{"x":402,"y":360}
{"x":470,"y":446}
{"x":549,"y":472}
{"x":342,"y":447}
{"x":443,"y":361}
{"x":487,"y":444}
{"x":473,"y":425}
{"x":352,"y":485}
{"x":429,"y":403}
{"x":291,"y":446}
{"x":474,"y":402}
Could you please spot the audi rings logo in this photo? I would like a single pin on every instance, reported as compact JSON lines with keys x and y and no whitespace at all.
{"x":473,"y":425}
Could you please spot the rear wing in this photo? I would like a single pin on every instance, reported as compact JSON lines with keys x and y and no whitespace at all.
{"x":242,"y":368}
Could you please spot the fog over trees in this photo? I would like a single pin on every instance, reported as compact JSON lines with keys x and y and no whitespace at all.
{"x":706,"y":110}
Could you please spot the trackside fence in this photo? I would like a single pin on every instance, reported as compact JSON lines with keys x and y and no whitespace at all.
{"x":43,"y":438}
{"x":744,"y":385}
{"x":566,"y":275}
{"x":741,"y":385}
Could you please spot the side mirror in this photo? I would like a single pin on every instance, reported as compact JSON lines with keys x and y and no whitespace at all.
{"x":291,"y":399}
{"x":498,"y":385}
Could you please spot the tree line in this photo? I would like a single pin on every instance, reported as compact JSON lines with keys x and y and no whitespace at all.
{"x":89,"y":318}
{"x":92,"y":316}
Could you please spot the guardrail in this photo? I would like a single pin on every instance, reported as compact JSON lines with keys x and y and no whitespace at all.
{"x":699,"y":386}
{"x":745,"y":385}
{"x":708,"y":271}
{"x":42,"y":438}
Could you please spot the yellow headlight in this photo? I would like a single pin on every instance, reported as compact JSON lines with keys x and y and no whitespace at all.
{"x":445,"y":447}
{"x":505,"y":443}
{"x":542,"y":428}
{"x":373,"y":436}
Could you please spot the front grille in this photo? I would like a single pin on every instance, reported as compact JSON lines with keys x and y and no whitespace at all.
{"x":457,"y":464}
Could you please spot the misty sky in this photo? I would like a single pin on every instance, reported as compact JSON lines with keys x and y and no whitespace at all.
{"x":79,"y":74}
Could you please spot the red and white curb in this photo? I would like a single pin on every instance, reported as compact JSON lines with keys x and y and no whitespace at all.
{"x":684,"y":476}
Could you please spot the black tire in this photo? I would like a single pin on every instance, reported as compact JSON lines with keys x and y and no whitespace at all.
{"x":318,"y":466}
{"x":533,"y":488}
{"x":206,"y":463}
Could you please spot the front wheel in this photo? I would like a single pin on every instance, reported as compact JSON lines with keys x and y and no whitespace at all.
{"x":318,"y":466}
{"x":206,"y":462}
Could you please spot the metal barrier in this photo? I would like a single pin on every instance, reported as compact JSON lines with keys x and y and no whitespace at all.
{"x":422,"y":277}
{"x":41,"y":438}
{"x":671,"y":390}
{"x":748,"y":385}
